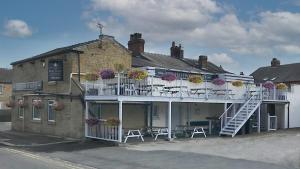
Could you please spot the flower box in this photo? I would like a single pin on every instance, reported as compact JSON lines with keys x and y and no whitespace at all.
{"x":218,"y":81}
{"x":107,"y":74}
{"x":281,"y":86}
{"x":92,"y":122}
{"x":168,"y":77}
{"x":237,"y":83}
{"x":58,"y":106}
{"x":37,"y":103}
{"x":113,"y":122}
{"x":21,"y":103}
{"x":269,"y":85}
{"x":196,"y":79}
{"x":138,"y":74}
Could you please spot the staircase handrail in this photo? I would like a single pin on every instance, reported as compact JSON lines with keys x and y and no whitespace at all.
{"x":245,"y":104}
{"x":226,"y":111}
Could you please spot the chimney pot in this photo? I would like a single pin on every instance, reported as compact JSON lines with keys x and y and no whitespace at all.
{"x":136,"y":43}
{"x":176,"y":51}
{"x":202,"y":61}
{"x":275,"y":62}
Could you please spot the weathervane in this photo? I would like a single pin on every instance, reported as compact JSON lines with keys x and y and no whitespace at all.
{"x":100,"y":26}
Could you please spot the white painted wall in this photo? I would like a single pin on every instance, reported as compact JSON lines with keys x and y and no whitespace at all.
{"x":294,"y":98}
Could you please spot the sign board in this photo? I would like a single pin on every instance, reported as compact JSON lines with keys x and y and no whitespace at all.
{"x":55,"y":70}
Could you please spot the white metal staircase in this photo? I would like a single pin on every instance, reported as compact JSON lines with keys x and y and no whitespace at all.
{"x":234,"y":118}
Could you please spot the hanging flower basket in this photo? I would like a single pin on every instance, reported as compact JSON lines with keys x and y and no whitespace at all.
{"x":107,"y":74}
{"x":281,"y":86}
{"x":238,"y":83}
{"x":10,"y":104}
{"x":268,"y":85}
{"x":21,"y":103}
{"x":218,"y":81}
{"x":38,"y":103}
{"x":58,"y":106}
{"x":91,"y":77}
{"x":196,"y":79}
{"x":113,"y":122}
{"x":168,"y":77}
{"x":138,"y":74}
{"x":92,"y":122}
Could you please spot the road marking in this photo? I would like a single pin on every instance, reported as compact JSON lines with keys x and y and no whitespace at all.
{"x":57,"y":162}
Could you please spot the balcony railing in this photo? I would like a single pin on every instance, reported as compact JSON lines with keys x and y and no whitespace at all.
{"x":153,"y":86}
{"x":28,"y":86}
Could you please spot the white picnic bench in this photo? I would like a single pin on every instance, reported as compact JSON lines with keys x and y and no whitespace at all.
{"x":134,"y":133}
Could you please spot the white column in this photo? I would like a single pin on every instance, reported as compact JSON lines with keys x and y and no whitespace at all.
{"x":258,"y":119}
{"x":169,"y":120}
{"x":86,"y":117}
{"x":121,"y":120}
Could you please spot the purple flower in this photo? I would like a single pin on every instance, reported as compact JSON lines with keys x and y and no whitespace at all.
{"x":168,"y":77}
{"x":92,"y":121}
{"x":268,"y":85}
{"x":218,"y":82}
{"x":107,"y":74}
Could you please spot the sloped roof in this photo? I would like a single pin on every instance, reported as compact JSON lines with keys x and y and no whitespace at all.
{"x":71,"y":48}
{"x":282,"y":73}
{"x":5,"y":75}
{"x":166,"y":61}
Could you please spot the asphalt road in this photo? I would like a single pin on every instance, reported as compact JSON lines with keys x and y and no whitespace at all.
{"x":73,"y":156}
{"x":16,"y":159}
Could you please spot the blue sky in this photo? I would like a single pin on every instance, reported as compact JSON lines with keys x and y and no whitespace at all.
{"x":239,"y":35}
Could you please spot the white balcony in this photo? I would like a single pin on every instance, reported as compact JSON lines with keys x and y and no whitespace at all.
{"x":155,"y":87}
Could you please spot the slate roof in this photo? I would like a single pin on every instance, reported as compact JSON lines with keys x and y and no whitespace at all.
{"x":166,"y":61}
{"x":284,"y":73}
{"x":71,"y":48}
{"x":5,"y":75}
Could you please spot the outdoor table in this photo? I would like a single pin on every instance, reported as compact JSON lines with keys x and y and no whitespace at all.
{"x":133,"y":133}
{"x":159,"y":131}
{"x":169,"y":89}
{"x":192,"y":130}
{"x":200,"y":91}
{"x":213,"y":121}
{"x":150,"y":88}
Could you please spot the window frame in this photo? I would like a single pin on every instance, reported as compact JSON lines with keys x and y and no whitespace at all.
{"x":1,"y":89}
{"x":53,"y":111}
{"x":33,"y":112}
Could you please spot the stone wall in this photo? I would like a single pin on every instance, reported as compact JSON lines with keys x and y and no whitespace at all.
{"x":70,"y":121}
{"x":5,"y":96}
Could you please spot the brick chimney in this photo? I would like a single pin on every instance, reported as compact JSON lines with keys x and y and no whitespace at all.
{"x":136,"y":43}
{"x":275,"y":62}
{"x":202,"y":62}
{"x":176,"y":51}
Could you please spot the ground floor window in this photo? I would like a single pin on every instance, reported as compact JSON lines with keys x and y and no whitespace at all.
{"x":36,"y":114}
{"x":21,"y":112}
{"x":51,"y":112}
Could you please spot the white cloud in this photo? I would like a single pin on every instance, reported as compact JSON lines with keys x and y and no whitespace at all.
{"x":203,"y":23}
{"x":17,"y":28}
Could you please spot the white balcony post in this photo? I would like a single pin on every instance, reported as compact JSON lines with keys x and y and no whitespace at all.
{"x":120,"y":119}
{"x":118,"y":85}
{"x":261,"y":91}
{"x":206,"y":95}
{"x":274,"y":93}
{"x":258,"y":120}
{"x":151,"y":85}
{"x":180,"y":87}
{"x":169,"y":120}
{"x":227,"y":97}
{"x":86,"y":117}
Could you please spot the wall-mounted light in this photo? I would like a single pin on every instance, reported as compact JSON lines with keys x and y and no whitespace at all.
{"x":43,"y":63}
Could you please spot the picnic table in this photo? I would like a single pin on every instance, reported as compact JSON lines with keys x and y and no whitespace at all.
{"x":193,"y":130}
{"x":150,"y":88}
{"x":158,"y":131}
{"x":223,"y":92}
{"x":133,"y":133}
{"x":173,"y":89}
{"x":200,"y":91}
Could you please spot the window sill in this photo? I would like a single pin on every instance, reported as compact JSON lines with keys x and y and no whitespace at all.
{"x":51,"y":122}
{"x":36,"y":120}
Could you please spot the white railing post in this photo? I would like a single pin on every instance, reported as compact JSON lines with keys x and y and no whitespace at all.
{"x":274,"y":93}
{"x":180,"y":90}
{"x":86,"y":117}
{"x":151,"y":85}
{"x":169,"y":120}
{"x":206,"y":95}
{"x":120,"y":121}
{"x":227,"y":97}
{"x":118,"y":85}
{"x":261,"y":91}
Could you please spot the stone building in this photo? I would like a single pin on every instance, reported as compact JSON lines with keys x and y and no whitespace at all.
{"x":5,"y":87}
{"x":52,"y":79}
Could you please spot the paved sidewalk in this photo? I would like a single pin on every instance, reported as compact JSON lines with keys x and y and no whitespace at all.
{"x":25,"y":139}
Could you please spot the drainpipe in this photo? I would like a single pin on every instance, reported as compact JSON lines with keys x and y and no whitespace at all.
{"x":288,"y":116}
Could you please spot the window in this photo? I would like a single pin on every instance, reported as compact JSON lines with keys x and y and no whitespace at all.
{"x":36,"y":114}
{"x":20,"y":111}
{"x":1,"y":88}
{"x":51,"y":112}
